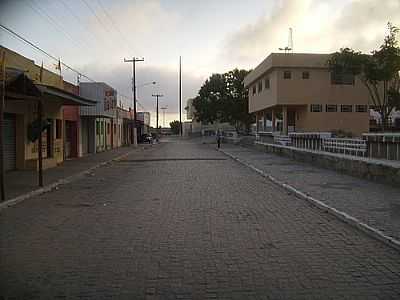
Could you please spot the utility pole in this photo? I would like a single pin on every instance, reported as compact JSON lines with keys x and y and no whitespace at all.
{"x":3,"y":92}
{"x":133,"y":61}
{"x":180,"y":95}
{"x":163,"y":109}
{"x":157,"y":96}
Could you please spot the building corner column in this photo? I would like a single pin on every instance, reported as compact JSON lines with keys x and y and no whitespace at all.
{"x":285,"y":120}
{"x":273,"y":120}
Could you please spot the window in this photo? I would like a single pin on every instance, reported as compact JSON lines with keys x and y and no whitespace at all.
{"x":102,"y":127}
{"x":115,"y":128}
{"x":331,"y":108}
{"x":58,"y":128}
{"x":342,"y":78}
{"x":108,"y":128}
{"x":361,"y":108}
{"x":346,"y":108}
{"x":266,"y":83}
{"x":316,"y":107}
{"x":287,"y":75}
{"x":254,"y":90}
{"x":97,"y":127}
{"x":306,"y":75}
{"x":259,"y":86}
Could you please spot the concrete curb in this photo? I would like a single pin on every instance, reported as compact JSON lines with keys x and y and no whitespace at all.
{"x":55,"y":185}
{"x":370,"y":231}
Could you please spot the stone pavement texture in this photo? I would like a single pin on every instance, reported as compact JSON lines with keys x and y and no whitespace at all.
{"x":375,"y":204}
{"x":183,"y":221}
{"x":21,"y":182}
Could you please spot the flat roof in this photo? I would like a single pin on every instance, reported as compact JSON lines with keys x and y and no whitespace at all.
{"x":287,"y":60}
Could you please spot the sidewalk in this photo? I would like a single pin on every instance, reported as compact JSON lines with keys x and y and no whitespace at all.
{"x":375,"y":204}
{"x":21,"y":182}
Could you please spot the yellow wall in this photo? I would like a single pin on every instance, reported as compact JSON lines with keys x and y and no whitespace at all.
{"x":26,"y":112}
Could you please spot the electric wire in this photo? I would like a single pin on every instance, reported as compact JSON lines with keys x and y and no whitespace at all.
{"x":42,"y":13}
{"x":114,"y":24}
{"x":13,"y":33}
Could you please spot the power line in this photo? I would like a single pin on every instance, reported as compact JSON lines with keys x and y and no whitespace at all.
{"x":79,"y":21}
{"x":37,"y":48}
{"x":41,"y":12}
{"x":10,"y":31}
{"x":96,"y":16}
{"x":114,"y":24}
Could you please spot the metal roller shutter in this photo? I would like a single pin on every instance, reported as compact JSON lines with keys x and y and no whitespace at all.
{"x":9,"y":142}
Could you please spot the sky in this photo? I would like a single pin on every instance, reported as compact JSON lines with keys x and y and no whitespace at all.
{"x":212,"y":36}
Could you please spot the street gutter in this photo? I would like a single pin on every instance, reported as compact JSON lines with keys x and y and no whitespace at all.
{"x":370,"y":231}
{"x":54,"y":186}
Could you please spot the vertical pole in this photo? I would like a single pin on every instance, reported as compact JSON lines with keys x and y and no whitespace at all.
{"x":180,"y":95}
{"x":134,"y":87}
{"x":157,"y":113}
{"x":40,"y":153}
{"x":3,"y":94}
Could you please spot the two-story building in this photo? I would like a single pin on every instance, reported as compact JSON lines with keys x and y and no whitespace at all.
{"x":297,"y":92}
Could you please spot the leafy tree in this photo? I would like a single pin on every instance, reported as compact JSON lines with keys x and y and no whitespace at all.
{"x":175,"y":126}
{"x":223,"y":98}
{"x":379,"y":72}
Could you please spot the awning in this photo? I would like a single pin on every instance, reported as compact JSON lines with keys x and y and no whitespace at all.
{"x":21,"y":87}
{"x":67,"y":98}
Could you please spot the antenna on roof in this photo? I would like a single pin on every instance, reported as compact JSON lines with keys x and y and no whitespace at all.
{"x":289,"y":47}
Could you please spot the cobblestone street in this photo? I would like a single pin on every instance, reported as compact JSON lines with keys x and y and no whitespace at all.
{"x":183,"y":221}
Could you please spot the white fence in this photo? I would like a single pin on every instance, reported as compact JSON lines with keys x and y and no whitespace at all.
{"x":357,"y":147}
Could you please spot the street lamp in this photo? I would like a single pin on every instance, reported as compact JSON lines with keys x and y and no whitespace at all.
{"x":147,"y":83}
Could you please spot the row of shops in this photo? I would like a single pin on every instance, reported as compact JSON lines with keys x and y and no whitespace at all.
{"x":66,"y":121}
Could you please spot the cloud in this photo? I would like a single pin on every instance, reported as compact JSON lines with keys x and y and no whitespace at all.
{"x":319,"y":26}
{"x":119,"y":77}
{"x":140,"y":28}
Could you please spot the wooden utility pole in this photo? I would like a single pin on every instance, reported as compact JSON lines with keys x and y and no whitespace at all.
{"x":157,"y":96}
{"x":133,"y":61}
{"x":3,"y":95}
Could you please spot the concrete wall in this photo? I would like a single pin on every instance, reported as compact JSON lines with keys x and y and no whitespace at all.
{"x":356,"y":166}
{"x":355,"y":122}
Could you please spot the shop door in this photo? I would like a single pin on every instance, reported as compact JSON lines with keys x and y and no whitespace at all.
{"x":9,"y":142}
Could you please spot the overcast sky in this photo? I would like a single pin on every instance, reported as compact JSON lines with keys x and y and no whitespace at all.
{"x":212,"y":36}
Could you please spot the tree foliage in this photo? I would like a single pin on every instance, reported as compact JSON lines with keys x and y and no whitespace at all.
{"x":378,"y":71}
{"x":223,"y":98}
{"x":175,"y":126}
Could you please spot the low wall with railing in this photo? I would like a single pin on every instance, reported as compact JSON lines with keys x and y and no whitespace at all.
{"x":372,"y":145}
{"x":382,"y":171}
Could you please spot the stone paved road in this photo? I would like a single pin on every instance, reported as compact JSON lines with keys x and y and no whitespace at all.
{"x":182,"y":221}
{"x":375,"y":204}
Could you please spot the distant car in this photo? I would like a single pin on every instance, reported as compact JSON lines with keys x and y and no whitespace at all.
{"x":147,"y":138}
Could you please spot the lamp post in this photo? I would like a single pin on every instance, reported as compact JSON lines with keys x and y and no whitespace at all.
{"x":157,"y":96}
{"x":163,"y":109}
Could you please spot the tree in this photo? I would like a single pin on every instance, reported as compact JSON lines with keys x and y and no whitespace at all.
{"x":223,"y":98}
{"x":379,"y":72}
{"x":175,"y":126}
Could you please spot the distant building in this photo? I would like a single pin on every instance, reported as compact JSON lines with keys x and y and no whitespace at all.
{"x":101,"y":125}
{"x":144,"y":119}
{"x":297,"y":92}
{"x":196,"y":128}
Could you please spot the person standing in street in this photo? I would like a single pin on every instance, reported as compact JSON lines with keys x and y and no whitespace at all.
{"x":219,"y":139}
